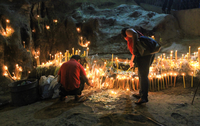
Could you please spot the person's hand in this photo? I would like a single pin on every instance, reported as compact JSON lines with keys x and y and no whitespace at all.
{"x":131,"y":64}
{"x":90,"y":83}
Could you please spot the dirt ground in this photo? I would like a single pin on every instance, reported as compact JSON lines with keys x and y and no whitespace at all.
{"x":170,"y":107}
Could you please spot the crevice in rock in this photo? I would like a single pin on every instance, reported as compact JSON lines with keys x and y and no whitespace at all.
{"x":25,"y":36}
{"x":42,"y":11}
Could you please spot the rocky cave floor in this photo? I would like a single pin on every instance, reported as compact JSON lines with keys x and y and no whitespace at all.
{"x":168,"y":107}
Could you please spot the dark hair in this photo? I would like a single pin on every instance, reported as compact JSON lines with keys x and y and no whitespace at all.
{"x":123,"y":32}
{"x":76,"y":57}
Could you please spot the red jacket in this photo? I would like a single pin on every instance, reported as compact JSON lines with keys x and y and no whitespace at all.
{"x":70,"y":73}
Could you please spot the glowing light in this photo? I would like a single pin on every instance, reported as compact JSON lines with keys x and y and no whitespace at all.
{"x":47,"y":27}
{"x":55,"y":20}
{"x":8,"y":21}
{"x":78,"y":30}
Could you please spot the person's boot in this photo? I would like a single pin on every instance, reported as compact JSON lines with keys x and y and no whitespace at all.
{"x":140,"y":101}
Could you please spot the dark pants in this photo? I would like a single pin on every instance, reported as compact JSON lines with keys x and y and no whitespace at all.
{"x":143,"y":64}
{"x":77,"y":91}
{"x":170,"y":2}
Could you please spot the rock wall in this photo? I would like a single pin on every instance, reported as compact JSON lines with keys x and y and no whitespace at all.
{"x":42,"y":27}
{"x":189,"y":21}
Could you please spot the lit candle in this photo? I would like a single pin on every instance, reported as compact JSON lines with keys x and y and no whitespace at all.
{"x":87,"y":52}
{"x":175,"y":74}
{"x":47,"y":27}
{"x":171,"y":55}
{"x":192,"y":79}
{"x":24,"y":43}
{"x":55,"y":21}
{"x":176,"y":55}
{"x":116,"y":61}
{"x":199,"y":55}
{"x":66,"y":55}
{"x":84,"y":53}
{"x":16,"y":70}
{"x":76,"y":53}
{"x":153,"y":37}
{"x":171,"y":74}
{"x":78,"y":30}
{"x":189,"y":52}
{"x":163,"y":81}
{"x":158,"y":84}
{"x":112,"y":59}
{"x":79,"y":52}
{"x":183,"y":79}
{"x":60,"y":57}
{"x":133,"y":84}
{"x":164,"y":56}
{"x":72,"y":51}
{"x":7,"y":21}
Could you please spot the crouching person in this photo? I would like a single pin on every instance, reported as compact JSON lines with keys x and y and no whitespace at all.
{"x":72,"y":77}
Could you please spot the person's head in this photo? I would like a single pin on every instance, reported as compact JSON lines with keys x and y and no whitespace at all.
{"x":123,"y":32}
{"x":76,"y":57}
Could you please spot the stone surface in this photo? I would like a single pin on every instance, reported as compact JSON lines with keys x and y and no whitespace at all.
{"x":100,"y":23}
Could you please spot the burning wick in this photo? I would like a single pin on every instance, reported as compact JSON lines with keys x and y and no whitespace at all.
{"x":8,"y":21}
{"x":47,"y":27}
{"x":78,"y":30}
{"x":55,"y":21}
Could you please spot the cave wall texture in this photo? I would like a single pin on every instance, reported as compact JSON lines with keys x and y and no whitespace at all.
{"x":100,"y":23}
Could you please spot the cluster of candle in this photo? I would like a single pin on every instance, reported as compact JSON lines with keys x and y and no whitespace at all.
{"x":8,"y":31}
{"x":16,"y":75}
{"x":58,"y":59}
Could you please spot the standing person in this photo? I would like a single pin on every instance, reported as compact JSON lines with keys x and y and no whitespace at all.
{"x":169,"y":2}
{"x":72,"y":77}
{"x":143,"y":63}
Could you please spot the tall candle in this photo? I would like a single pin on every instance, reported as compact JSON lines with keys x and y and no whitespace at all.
{"x":183,"y":80}
{"x":87,"y":52}
{"x":189,"y":52}
{"x":24,"y":43}
{"x":112,"y":59}
{"x":116,"y":61}
{"x":60,"y":57}
{"x":72,"y":51}
{"x":192,"y":79}
{"x":171,"y":55}
{"x":84,"y":53}
{"x":175,"y":74}
{"x":66,"y":55}
{"x":199,"y":55}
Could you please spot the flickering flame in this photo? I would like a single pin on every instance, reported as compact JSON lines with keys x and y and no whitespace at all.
{"x":9,"y":31}
{"x":5,"y":74}
{"x":20,"y":69}
{"x":8,"y":21}
{"x":84,"y":44}
{"x":47,"y":27}
{"x":55,"y":20}
{"x":5,"y":67}
{"x":78,"y":30}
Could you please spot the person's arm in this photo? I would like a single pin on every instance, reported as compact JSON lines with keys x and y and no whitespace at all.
{"x":131,"y":33}
{"x":88,"y":82}
{"x":131,"y":62}
{"x":84,"y":77}
{"x":58,"y":79}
